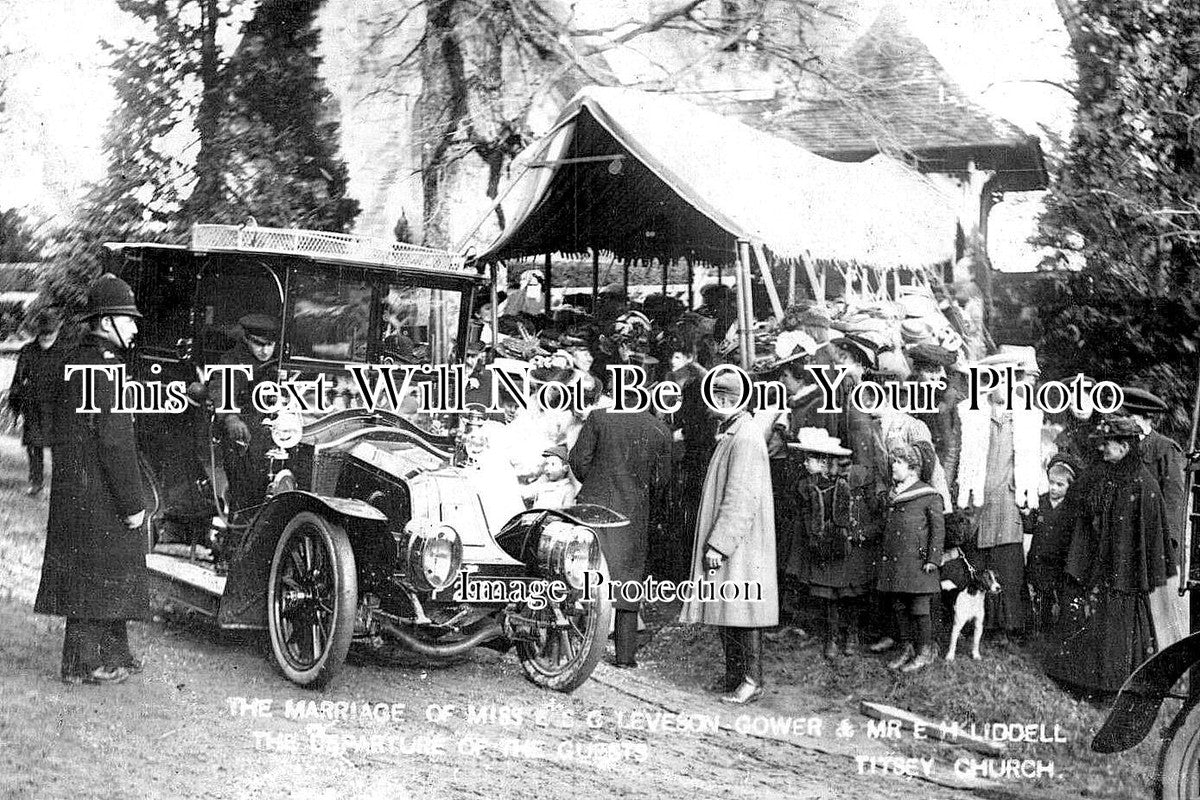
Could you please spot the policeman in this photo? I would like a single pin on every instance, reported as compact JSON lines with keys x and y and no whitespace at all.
{"x":1164,"y":459}
{"x":244,"y":438}
{"x":94,"y":568}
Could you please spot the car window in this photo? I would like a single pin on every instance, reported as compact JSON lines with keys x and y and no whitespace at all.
{"x":228,"y":291}
{"x":420,"y":324}
{"x":331,"y":314}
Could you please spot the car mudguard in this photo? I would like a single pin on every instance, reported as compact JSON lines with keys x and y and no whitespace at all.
{"x":1136,"y":707}
{"x":244,"y":601}
{"x":519,"y":536}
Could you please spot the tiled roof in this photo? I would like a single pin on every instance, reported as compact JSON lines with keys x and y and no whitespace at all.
{"x":893,"y":96}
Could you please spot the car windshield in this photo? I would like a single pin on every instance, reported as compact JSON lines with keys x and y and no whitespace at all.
{"x":344,"y":316}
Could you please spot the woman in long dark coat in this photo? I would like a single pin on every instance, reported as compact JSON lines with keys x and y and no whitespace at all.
{"x":94,"y":567}
{"x":623,"y":462}
{"x":1120,"y":552}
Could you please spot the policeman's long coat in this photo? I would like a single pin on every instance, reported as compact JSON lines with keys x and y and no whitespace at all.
{"x":94,"y":567}
{"x":738,"y":519}
{"x":623,"y":462}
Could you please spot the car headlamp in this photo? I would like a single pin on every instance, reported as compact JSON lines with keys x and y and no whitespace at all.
{"x":567,"y":551}
{"x":286,"y":429}
{"x":431,"y":554}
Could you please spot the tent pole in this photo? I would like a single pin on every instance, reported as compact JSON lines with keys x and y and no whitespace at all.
{"x":813,"y":283}
{"x":691,"y":276}
{"x":764,"y":269}
{"x":625,"y":278}
{"x":745,"y":306}
{"x":665,"y":270}
{"x":595,"y":278}
{"x":791,"y":283}
{"x":549,"y":283}
{"x":495,"y":299}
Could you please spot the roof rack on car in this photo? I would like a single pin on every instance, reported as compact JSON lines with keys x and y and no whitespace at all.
{"x":322,"y":244}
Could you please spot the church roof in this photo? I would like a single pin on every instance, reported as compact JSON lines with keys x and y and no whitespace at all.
{"x":892,"y":95}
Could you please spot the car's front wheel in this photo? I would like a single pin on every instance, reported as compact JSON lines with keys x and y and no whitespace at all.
{"x":562,"y":657}
{"x":312,"y":593}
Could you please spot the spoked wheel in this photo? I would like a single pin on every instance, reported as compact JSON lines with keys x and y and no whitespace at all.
{"x":311,"y":597}
{"x":1179,"y":762}
{"x":562,"y":658}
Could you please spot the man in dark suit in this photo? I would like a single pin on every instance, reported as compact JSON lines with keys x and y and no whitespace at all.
{"x":36,"y":385}
{"x":94,"y":568}
{"x":623,"y":461}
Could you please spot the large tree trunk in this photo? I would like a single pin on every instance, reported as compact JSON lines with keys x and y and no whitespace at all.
{"x":207,"y":193}
{"x":459,"y":108}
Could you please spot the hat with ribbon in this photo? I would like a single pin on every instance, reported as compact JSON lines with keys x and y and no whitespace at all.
{"x":818,"y":440}
{"x":916,"y":331}
{"x":1116,"y":429}
{"x":853,"y":343}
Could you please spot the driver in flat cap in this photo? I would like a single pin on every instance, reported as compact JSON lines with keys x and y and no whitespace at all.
{"x":1164,"y":459}
{"x":244,"y":438}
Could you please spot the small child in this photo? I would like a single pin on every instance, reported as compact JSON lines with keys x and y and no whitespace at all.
{"x":913,"y":536}
{"x":835,"y":510}
{"x":1050,"y":525}
{"x":555,"y":487}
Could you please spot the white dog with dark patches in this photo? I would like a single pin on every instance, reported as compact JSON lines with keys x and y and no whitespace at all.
{"x":968,"y":607}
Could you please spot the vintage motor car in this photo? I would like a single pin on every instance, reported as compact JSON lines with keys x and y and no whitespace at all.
{"x":374,"y":519}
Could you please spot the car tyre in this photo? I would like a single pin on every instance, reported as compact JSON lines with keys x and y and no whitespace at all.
{"x":312,"y":594}
{"x":563,"y":660}
{"x":1179,"y":759}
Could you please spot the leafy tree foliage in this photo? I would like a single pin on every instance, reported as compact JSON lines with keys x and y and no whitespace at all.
{"x":17,"y":241}
{"x":278,"y":132}
{"x":198,"y":136}
{"x":1124,"y":202}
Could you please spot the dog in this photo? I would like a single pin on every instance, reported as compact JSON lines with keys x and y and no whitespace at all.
{"x":968,"y":607}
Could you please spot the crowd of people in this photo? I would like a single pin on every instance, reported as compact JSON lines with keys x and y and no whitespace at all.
{"x":852,"y":517}
{"x":855,"y":524}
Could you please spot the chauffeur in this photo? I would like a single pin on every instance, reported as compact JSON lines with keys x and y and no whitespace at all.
{"x":244,"y":439}
{"x":94,"y":569}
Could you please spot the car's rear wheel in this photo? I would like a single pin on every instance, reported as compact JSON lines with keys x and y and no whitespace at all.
{"x":312,"y":593}
{"x":562,"y":658}
{"x":1179,"y":760}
